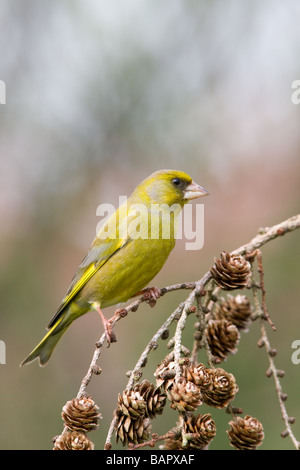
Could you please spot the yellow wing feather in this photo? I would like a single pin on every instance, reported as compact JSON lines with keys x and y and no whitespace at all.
{"x":101,"y":250}
{"x":84,"y":278}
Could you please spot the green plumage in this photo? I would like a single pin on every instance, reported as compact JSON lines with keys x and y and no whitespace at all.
{"x":127,"y":253}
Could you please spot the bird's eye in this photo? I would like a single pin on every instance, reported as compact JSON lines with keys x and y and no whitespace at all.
{"x":176,"y":181}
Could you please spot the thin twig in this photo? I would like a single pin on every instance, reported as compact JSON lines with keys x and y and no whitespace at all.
{"x":155,"y":438}
{"x":132,"y":307}
{"x":178,"y":333}
{"x":139,"y":363}
{"x":278,"y":387}
{"x":257,"y":254}
{"x":149,"y":347}
{"x":269,"y":233}
{"x":273,"y":371}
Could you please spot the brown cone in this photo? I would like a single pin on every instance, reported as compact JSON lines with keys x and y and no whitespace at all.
{"x":165,"y":374}
{"x":132,"y":431}
{"x":195,"y":374}
{"x":73,"y":440}
{"x":135,"y":407}
{"x":184,"y":395}
{"x":222,"y":337}
{"x":131,"y":404}
{"x":198,"y":430}
{"x":237,"y":310}
{"x":245,"y":433}
{"x":154,"y":397}
{"x":223,"y":388}
{"x":81,"y":414}
{"x":231,"y":271}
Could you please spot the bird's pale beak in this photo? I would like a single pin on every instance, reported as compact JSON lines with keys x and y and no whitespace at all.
{"x":194,"y":190}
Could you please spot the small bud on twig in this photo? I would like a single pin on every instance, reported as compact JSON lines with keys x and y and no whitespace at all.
{"x":165,"y":334}
{"x":269,"y":372}
{"x":273,"y":352}
{"x":97,"y":369}
{"x":261,"y":343}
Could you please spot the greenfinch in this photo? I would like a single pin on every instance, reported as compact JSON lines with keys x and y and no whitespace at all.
{"x":128,"y":251}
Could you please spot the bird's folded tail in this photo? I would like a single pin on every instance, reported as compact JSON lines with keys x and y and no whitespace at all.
{"x":45,"y":348}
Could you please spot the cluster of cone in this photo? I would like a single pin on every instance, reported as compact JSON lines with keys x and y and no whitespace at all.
{"x":136,"y":408}
{"x":196,"y":384}
{"x":230,"y":315}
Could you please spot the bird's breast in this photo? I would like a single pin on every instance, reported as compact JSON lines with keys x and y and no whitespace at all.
{"x":128,"y":271}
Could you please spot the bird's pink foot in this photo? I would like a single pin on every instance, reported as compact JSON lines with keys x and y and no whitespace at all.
{"x":107,"y":325}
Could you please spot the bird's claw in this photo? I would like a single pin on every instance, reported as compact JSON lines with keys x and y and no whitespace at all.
{"x":107,"y":325}
{"x":150,"y":295}
{"x":110,"y":335}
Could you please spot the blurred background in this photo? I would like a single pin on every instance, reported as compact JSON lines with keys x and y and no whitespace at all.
{"x":98,"y":95}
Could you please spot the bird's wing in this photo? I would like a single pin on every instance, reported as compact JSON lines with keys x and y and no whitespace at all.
{"x":99,"y":253}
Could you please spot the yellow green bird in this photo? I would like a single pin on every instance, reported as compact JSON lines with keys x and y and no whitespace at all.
{"x":129,"y":250}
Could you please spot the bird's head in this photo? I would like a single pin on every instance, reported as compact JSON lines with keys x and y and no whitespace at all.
{"x":168,"y":187}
